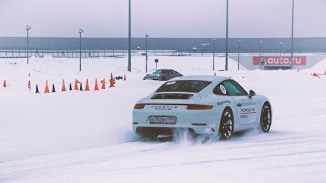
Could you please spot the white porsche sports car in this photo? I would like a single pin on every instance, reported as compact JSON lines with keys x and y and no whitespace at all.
{"x":202,"y":105}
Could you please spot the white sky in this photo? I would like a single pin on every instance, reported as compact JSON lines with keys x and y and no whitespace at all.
{"x":162,"y":18}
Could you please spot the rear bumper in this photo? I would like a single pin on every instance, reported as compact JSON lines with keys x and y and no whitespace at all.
{"x":173,"y":130}
{"x":198,"y":121}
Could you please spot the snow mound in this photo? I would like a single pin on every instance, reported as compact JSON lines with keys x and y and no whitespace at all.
{"x":320,"y":67}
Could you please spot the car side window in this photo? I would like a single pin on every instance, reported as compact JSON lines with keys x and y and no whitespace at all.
{"x":234,"y":88}
{"x":220,"y":90}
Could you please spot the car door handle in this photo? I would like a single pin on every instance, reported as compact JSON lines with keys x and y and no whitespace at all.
{"x":239,"y":105}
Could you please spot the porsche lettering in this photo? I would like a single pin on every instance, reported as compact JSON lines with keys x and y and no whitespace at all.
{"x":163,"y":107}
{"x":248,"y":111}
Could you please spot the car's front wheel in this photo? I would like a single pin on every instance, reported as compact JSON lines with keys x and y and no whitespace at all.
{"x":226,"y":124}
{"x":266,"y":118}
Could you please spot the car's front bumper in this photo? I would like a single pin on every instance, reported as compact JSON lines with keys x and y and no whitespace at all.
{"x":152,"y":77}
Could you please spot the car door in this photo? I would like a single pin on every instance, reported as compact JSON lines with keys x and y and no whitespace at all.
{"x":246,"y":106}
{"x":172,"y":74}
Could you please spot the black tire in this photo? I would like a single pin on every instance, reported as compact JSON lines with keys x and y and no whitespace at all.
{"x":226,"y":124}
{"x":266,"y":118}
{"x":163,"y":78}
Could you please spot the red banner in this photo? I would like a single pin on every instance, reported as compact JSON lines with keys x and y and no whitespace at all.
{"x":279,"y":61}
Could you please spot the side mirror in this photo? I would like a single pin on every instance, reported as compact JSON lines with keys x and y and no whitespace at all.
{"x":251,"y":93}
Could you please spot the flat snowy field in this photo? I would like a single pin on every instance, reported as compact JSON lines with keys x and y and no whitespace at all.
{"x":86,"y":136}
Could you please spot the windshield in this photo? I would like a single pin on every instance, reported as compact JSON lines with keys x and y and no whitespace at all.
{"x":193,"y":86}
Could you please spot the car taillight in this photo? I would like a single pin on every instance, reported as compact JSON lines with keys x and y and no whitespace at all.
{"x":139,"y":106}
{"x":198,"y":107}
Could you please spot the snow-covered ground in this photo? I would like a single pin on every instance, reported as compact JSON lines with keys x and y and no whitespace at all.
{"x":85,"y":136}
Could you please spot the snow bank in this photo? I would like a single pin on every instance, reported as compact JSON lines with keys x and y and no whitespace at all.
{"x":79,"y":136}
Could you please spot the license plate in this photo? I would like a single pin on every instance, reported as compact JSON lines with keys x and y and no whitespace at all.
{"x":162,"y":119}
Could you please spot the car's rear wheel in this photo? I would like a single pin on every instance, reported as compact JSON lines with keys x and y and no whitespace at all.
{"x":266,"y":118}
{"x":163,"y":78}
{"x":226,"y":124}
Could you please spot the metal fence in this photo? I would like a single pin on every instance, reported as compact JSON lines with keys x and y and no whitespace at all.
{"x":17,"y":53}
{"x":113,"y":47}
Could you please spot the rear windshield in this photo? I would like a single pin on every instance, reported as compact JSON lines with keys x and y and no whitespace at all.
{"x":193,"y":86}
{"x":160,"y":72}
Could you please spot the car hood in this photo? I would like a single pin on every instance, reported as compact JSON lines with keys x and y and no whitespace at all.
{"x":152,"y":76}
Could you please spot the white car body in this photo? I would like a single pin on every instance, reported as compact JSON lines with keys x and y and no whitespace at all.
{"x":198,"y":111}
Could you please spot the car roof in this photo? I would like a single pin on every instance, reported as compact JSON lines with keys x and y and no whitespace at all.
{"x":165,"y":69}
{"x":201,"y":78}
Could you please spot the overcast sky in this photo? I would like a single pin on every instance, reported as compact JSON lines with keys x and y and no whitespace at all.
{"x":162,"y":18}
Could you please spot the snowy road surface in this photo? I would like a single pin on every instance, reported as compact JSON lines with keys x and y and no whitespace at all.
{"x":80,"y":136}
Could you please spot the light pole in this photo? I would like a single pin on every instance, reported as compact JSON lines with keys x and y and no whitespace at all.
{"x":213,"y":54}
{"x":146,"y":36}
{"x":260,"y":59}
{"x":281,"y":55}
{"x":292,"y":34}
{"x":27,"y":50}
{"x":239,"y":41}
{"x":80,"y":47}
{"x":129,"y":38}
{"x":227,"y":36}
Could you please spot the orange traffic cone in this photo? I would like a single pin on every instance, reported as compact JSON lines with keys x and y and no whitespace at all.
{"x":316,"y":75}
{"x":103,"y":84}
{"x":29,"y":85}
{"x":112,"y":82}
{"x":76,"y":84}
{"x":87,"y":86}
{"x":96,"y":85}
{"x":63,"y":86}
{"x":46,"y":87}
{"x":113,"y":79}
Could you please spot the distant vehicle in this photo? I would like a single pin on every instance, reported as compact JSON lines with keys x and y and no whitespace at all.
{"x":163,"y":75}
{"x":201,"y":105}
